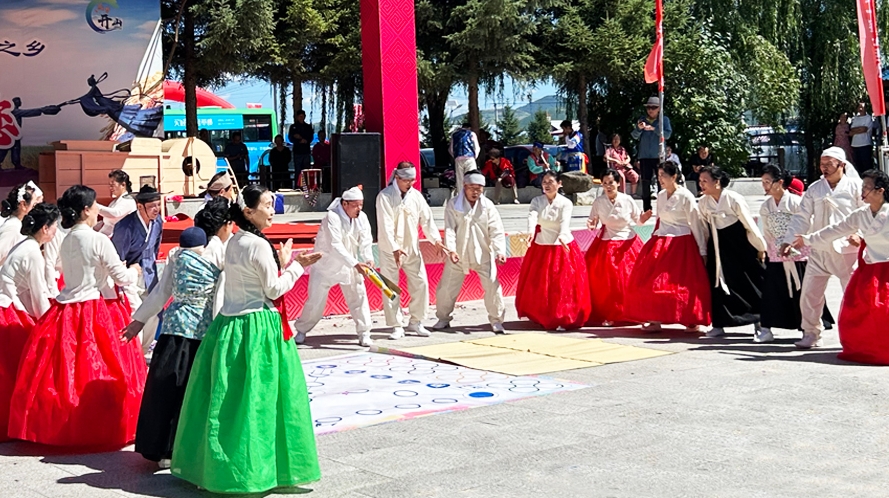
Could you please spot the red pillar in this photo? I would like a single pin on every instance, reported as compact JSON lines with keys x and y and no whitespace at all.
{"x":389,"y":57}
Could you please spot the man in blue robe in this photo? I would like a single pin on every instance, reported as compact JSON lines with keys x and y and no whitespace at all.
{"x":137,"y":238}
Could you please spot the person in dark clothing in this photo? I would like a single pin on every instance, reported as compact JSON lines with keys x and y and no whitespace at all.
{"x":279,"y":160}
{"x":647,"y":132}
{"x":238,"y":157}
{"x":301,"y":135}
{"x":701,"y":158}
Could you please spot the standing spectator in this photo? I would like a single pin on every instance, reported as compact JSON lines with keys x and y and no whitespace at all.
{"x":841,"y":135}
{"x":500,"y":171}
{"x":464,"y":149}
{"x":321,"y":156}
{"x":599,"y":166}
{"x":862,"y":144}
{"x":204,"y":136}
{"x":574,"y":155}
{"x":238,"y":158}
{"x":539,"y":162}
{"x":301,"y":135}
{"x":647,"y":131}
{"x":279,"y":160}
{"x":699,"y":160}
{"x":618,"y":159}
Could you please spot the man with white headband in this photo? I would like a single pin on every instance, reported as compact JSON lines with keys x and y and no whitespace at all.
{"x":401,"y":210}
{"x":827,"y":201}
{"x":474,"y":240}
{"x":345,"y":241}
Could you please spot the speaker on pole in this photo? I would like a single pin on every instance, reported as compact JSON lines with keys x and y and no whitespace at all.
{"x":357,"y":160}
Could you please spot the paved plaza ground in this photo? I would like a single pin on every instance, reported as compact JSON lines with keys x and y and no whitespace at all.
{"x":720,"y":418}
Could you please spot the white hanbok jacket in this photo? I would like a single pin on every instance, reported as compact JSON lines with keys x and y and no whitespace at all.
{"x":399,"y":219}
{"x":22,"y":282}
{"x":874,"y":230}
{"x":822,"y":206}
{"x":344,"y":242}
{"x":475,"y":233}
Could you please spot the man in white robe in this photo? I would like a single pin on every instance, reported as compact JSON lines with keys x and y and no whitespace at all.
{"x":475,"y":240}
{"x":401,"y":211}
{"x":827,"y":201}
{"x":345,"y":241}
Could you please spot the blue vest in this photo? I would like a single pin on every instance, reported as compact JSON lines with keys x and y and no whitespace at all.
{"x":462,"y":142}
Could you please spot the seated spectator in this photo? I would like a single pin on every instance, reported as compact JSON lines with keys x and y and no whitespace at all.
{"x":539,"y":162}
{"x":499,"y":171}
{"x":618,"y":159}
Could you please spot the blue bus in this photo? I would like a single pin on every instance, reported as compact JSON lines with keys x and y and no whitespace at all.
{"x":258,"y":128}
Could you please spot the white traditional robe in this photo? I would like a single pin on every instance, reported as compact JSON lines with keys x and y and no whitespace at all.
{"x":476,"y":234}
{"x":22,"y":279}
{"x":554,"y":219}
{"x":398,"y":222}
{"x":728,"y":210}
{"x":343,"y":242}
{"x":617,"y":219}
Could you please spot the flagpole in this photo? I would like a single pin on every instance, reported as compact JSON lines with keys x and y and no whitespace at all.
{"x":663,"y":146}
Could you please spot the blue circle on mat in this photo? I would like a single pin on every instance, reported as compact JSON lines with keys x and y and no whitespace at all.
{"x":437,"y":386}
{"x":444,"y":400}
{"x":380,"y":376}
{"x":481,"y":395}
{"x":325,"y":366}
{"x":406,"y":394}
{"x":369,"y":412}
{"x":352,"y":372}
{"x":409,"y":381}
{"x":407,"y":407}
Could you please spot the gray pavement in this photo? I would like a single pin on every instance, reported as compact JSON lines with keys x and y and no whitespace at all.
{"x":720,"y":418}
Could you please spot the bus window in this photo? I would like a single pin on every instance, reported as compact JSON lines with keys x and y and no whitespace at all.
{"x":257,"y":128}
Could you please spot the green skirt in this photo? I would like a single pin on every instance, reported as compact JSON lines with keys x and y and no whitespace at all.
{"x":245,"y":425}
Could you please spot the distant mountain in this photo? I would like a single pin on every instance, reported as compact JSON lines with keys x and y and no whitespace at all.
{"x":552,"y":104}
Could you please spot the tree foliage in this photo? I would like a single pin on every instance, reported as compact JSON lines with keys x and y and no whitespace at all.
{"x":539,"y":128}
{"x":510,"y":129}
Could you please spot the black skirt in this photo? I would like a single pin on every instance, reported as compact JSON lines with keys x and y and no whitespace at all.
{"x":744,"y":276}
{"x":164,"y":391}
{"x":779,"y":309}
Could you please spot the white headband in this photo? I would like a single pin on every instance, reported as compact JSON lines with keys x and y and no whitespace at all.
{"x":474,"y":179}
{"x":241,"y":203}
{"x":406,"y":173}
{"x":24,"y":189}
{"x":840,"y":155}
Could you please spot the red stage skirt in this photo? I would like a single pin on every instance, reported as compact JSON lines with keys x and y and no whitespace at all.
{"x":15,"y":325}
{"x":609,"y":265}
{"x":553,"y":290}
{"x":864,"y":315}
{"x":669,"y":283}
{"x":78,"y":384}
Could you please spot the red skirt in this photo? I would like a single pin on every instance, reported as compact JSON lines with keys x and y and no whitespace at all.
{"x":553,"y":290}
{"x":609,"y":265}
{"x":669,"y":283}
{"x":15,"y":325}
{"x":78,"y":384}
{"x":864,"y":315}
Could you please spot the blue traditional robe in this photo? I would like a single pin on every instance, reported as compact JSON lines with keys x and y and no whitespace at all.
{"x":135,"y":246}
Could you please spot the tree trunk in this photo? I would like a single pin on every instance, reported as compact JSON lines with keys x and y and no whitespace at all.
{"x":297,"y":94}
{"x":190,"y":80}
{"x":474,"y":115}
{"x":324,"y":89}
{"x":583,"y":114}
{"x":282,"y":107}
{"x":436,"y":102}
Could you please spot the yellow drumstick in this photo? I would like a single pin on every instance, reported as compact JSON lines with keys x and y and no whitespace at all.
{"x":377,"y":280}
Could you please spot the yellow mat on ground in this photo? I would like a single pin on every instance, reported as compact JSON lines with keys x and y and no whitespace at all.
{"x":529,"y":354}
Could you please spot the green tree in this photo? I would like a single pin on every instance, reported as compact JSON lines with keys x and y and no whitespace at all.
{"x":539,"y":128}
{"x":510,"y":129}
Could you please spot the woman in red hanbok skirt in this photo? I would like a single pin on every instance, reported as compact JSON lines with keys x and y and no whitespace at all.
{"x":669,"y":283}
{"x":553,"y":290}
{"x":864,"y":313}
{"x":78,"y":384}
{"x":24,"y":297}
{"x":612,"y":255}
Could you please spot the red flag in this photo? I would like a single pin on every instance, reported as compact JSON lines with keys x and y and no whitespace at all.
{"x":654,"y":66}
{"x":869,"y":42}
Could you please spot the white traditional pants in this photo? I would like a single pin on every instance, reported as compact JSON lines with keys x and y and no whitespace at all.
{"x":417,"y":286}
{"x":461,"y":166}
{"x":821,"y":266}
{"x":319,"y":287}
{"x":452,"y":282}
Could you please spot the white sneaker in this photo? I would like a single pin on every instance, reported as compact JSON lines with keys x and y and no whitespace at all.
{"x":397,"y":333}
{"x":300,"y":337}
{"x":497,"y":327}
{"x":164,"y":463}
{"x":441,"y":325}
{"x":652,"y":327}
{"x":715,"y":332}
{"x":763,"y":334}
{"x":418,"y":329}
{"x":365,"y":340}
{"x":606,"y":323}
{"x":810,"y":340}
{"x":560,"y":329}
{"x":516,"y":202}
